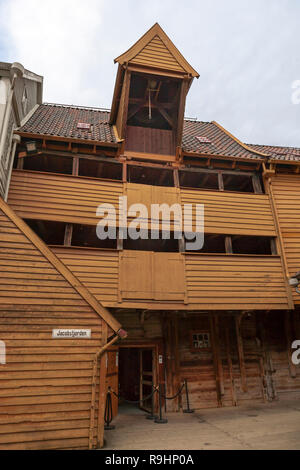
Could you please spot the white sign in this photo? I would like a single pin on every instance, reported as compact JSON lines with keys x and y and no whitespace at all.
{"x":78,"y":334}
{"x":160,"y":359}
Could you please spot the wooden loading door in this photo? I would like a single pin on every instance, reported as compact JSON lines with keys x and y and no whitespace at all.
{"x":146,"y":377}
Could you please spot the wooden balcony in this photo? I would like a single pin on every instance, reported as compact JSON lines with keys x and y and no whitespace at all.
{"x":139,"y":279}
{"x":232,"y":212}
{"x":63,"y":198}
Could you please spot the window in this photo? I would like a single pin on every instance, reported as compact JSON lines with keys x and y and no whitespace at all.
{"x":241,"y":183}
{"x":150,"y":175}
{"x":220,"y":180}
{"x":238,"y":244}
{"x":85,"y":236}
{"x":25,"y":101}
{"x":49,"y":164}
{"x":200,"y":340}
{"x":197,"y":179}
{"x":52,"y":233}
{"x":253,"y":245}
{"x":100,"y":169}
{"x":213,"y":243}
{"x":170,"y":245}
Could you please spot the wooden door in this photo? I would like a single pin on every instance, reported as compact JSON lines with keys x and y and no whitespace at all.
{"x":146,"y":377}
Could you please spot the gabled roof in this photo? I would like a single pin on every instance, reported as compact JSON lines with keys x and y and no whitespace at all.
{"x":155,"y":49}
{"x":287,"y":154}
{"x":62,"y":271}
{"x":62,"y":120}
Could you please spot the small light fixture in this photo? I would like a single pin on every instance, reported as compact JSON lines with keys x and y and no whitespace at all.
{"x":31,"y":146}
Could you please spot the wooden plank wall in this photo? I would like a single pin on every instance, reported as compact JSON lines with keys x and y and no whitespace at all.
{"x":281,"y":329}
{"x":235,"y":282}
{"x":46,"y":384}
{"x":286,"y":190}
{"x":232,"y":213}
{"x":209,"y":388}
{"x":98,"y":270}
{"x":148,"y":140}
{"x":49,"y":196}
{"x":156,"y":54}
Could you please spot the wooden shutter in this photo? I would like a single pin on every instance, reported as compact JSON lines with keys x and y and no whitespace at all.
{"x":135,"y":275}
{"x":168,"y":276}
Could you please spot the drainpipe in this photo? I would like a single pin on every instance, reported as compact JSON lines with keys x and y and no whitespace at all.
{"x":16,"y":71}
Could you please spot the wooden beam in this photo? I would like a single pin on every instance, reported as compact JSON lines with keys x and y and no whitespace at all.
{"x":289,"y":341}
{"x":229,"y":362}
{"x":217,"y":359}
{"x":181,"y":109}
{"x":240,"y":347}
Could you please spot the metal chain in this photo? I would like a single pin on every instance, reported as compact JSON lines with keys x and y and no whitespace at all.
{"x":134,"y":402}
{"x":175,"y":396}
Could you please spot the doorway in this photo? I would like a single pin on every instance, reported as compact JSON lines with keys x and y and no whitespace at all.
{"x":136,"y":378}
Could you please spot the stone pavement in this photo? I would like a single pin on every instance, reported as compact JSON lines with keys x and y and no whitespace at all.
{"x":273,"y":425}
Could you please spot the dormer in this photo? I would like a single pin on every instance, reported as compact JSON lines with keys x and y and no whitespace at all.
{"x":148,"y":105}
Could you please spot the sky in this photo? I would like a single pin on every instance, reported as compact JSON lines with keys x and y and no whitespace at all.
{"x":247,"y":53}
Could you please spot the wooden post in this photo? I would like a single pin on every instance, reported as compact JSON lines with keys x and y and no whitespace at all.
{"x":289,"y":341}
{"x":68,"y":234}
{"x":238,"y":321}
{"x":217,"y":358}
{"x":230,"y":368}
{"x":267,"y":360}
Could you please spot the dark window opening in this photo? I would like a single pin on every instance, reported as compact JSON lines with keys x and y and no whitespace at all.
{"x":190,"y":179}
{"x":212,"y":244}
{"x":52,"y":233}
{"x":50,"y":164}
{"x":99,"y":169}
{"x":86,"y":236}
{"x":153,"y":101}
{"x":170,"y":245}
{"x":150,"y":176}
{"x":241,"y":183}
{"x":253,"y":245}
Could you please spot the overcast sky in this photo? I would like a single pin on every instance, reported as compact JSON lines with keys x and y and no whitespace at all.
{"x":247,"y":53}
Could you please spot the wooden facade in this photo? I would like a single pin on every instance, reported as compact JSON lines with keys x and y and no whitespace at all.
{"x":47,"y":397}
{"x":222,"y":317}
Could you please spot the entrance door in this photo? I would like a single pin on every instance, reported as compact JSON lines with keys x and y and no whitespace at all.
{"x":146,"y":378}
{"x":136,"y":376}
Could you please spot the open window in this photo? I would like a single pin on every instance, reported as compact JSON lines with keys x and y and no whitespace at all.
{"x":251,"y":245}
{"x":235,"y":182}
{"x":49,"y":164}
{"x":52,"y":233}
{"x":100,"y":169}
{"x":147,"y":243}
{"x":86,"y":236}
{"x":150,"y":175}
{"x":213,"y":243}
{"x":197,"y":179}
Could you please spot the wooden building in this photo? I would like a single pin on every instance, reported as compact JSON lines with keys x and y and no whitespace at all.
{"x":223,"y":317}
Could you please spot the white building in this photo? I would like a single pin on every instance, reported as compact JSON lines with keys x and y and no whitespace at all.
{"x":20,"y":93}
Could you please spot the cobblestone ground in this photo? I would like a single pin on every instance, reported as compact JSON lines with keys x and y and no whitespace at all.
{"x":266,"y":426}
